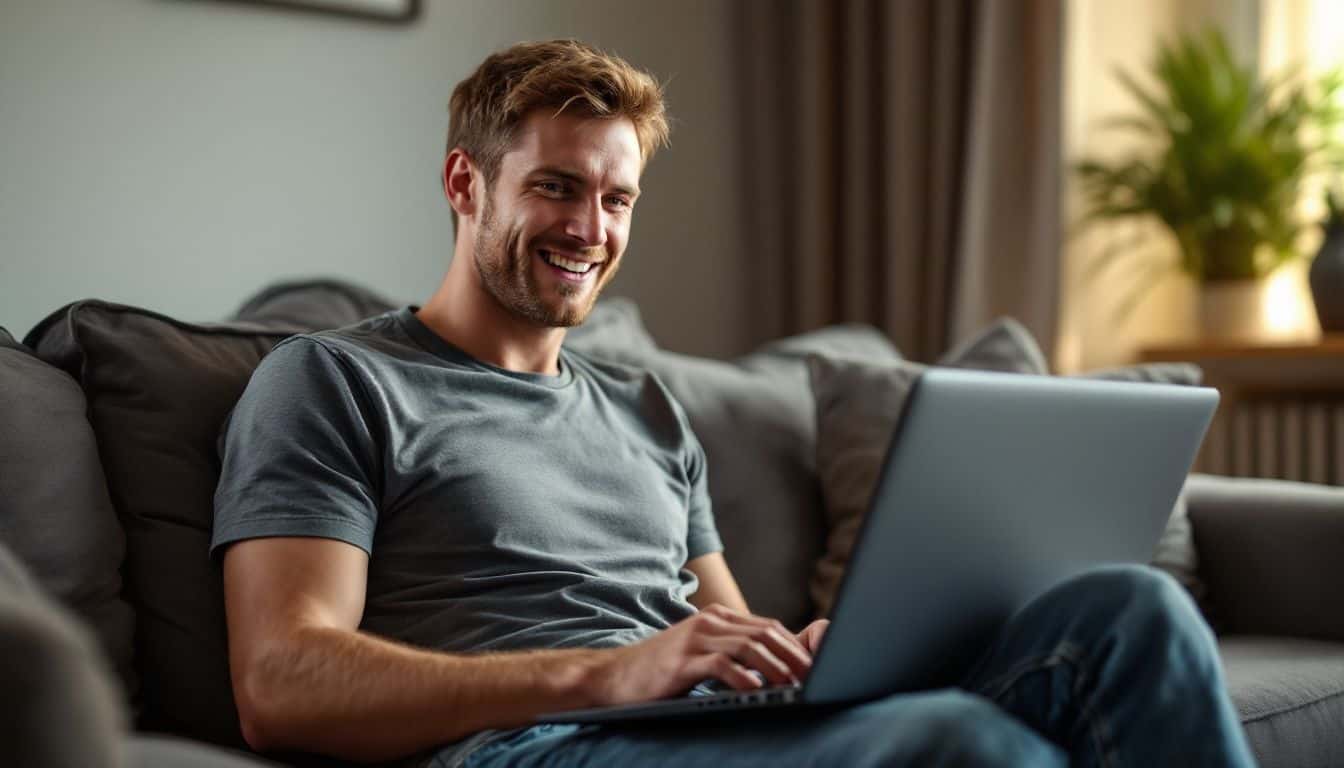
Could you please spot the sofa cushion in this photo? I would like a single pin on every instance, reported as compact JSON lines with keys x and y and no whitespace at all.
{"x":314,"y":304}
{"x":1005,"y":346}
{"x":613,"y":331}
{"x":153,"y":751}
{"x":1290,"y":695}
{"x":858,"y":404}
{"x":1181,"y":374}
{"x":753,"y":416}
{"x":157,"y":391}
{"x":55,"y":513}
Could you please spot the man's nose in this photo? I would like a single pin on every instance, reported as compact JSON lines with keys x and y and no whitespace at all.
{"x":587,"y":223}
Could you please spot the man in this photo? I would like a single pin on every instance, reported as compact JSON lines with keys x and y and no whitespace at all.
{"x":437,"y":524}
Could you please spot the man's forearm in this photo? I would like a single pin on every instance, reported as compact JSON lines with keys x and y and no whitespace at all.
{"x":357,"y":696}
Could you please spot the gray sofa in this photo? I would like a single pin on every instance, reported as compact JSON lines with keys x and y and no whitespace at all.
{"x":109,"y":418}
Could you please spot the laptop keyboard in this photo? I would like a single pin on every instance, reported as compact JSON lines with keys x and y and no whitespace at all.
{"x":716,"y":694}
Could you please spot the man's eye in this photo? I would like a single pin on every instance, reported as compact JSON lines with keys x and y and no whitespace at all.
{"x":618,"y":202}
{"x":551,"y":187}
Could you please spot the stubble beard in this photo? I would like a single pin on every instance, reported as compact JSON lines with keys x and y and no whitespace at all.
{"x":506,"y":272}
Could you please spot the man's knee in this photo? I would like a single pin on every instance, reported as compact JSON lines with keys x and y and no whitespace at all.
{"x":1137,"y":600}
{"x":955,"y":728}
{"x":1136,"y":587}
{"x":970,"y":730}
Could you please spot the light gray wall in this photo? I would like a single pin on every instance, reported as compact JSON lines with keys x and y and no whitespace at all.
{"x":177,"y":154}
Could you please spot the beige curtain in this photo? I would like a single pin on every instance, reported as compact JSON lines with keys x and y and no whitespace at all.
{"x":902,"y":160}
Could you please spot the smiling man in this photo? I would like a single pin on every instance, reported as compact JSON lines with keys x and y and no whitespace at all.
{"x":438,"y":524}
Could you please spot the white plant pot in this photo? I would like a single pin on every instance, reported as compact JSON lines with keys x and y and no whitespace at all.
{"x":1233,"y":310}
{"x":1275,"y":308}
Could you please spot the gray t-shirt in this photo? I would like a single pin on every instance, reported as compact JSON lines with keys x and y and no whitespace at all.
{"x":501,"y":510}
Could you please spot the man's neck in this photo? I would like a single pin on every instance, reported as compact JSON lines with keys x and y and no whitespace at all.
{"x":464,"y":314}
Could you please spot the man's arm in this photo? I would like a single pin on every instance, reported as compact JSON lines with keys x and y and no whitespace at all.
{"x":717,"y":584}
{"x":305,"y":678}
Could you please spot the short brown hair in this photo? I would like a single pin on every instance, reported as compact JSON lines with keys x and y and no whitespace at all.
{"x":563,"y":75}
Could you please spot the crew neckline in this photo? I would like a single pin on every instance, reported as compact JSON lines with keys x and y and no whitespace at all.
{"x":440,"y":347}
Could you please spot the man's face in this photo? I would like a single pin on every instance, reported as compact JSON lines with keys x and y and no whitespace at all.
{"x":555,"y":223}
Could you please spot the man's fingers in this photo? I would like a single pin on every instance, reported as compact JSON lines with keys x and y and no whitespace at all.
{"x":812,"y":634}
{"x":762,"y":622}
{"x":752,"y":654}
{"x":782,"y":643}
{"x":721,"y":666}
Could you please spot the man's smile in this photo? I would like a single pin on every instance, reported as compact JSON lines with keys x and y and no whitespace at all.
{"x":567,"y":265}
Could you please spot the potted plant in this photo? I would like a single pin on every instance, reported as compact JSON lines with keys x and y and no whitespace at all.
{"x":1222,"y":164}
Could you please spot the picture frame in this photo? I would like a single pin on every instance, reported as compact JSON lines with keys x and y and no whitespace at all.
{"x":384,"y":11}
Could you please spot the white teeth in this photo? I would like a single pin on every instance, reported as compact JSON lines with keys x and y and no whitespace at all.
{"x":579,"y":267}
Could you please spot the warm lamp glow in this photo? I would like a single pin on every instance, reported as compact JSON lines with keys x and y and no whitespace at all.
{"x":1282,"y":308}
{"x":1287,"y":306}
{"x":1327,"y":34}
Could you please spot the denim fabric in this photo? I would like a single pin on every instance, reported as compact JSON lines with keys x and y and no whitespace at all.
{"x":1113,"y":668}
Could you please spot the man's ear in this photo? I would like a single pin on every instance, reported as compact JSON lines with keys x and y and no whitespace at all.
{"x":459,"y":177}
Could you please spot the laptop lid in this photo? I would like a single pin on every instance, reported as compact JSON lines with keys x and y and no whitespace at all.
{"x":996,"y":487}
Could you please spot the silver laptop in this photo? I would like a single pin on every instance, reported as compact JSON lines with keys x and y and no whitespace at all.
{"x":995,"y":488}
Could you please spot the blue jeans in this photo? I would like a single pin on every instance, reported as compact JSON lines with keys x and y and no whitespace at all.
{"x":1113,"y":668}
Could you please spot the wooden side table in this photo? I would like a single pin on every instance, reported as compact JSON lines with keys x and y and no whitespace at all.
{"x":1282,"y":410}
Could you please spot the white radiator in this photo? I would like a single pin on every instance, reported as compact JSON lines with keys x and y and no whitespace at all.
{"x":1292,"y":437}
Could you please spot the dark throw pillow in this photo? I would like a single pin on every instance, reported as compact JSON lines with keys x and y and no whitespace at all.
{"x":157,"y":391}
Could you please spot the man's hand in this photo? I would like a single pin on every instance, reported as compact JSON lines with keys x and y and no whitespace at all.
{"x":718,"y":642}
{"x":811,"y":635}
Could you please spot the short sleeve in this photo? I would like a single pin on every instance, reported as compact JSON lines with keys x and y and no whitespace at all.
{"x":702,"y":536}
{"x":299,"y":453}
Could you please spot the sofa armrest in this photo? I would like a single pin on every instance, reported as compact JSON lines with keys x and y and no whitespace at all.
{"x":148,"y":750}
{"x":61,"y":706}
{"x":1271,"y":553}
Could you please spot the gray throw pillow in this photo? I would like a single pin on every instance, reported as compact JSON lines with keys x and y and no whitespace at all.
{"x":858,"y":404}
{"x":753,"y":416}
{"x":1183,"y":374}
{"x":1005,"y":346}
{"x":613,"y":331}
{"x":55,"y":513}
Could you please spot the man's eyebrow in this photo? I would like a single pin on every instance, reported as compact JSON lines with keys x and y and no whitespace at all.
{"x":578,"y":179}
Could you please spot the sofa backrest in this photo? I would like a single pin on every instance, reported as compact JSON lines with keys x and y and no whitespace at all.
{"x":158,"y":390}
